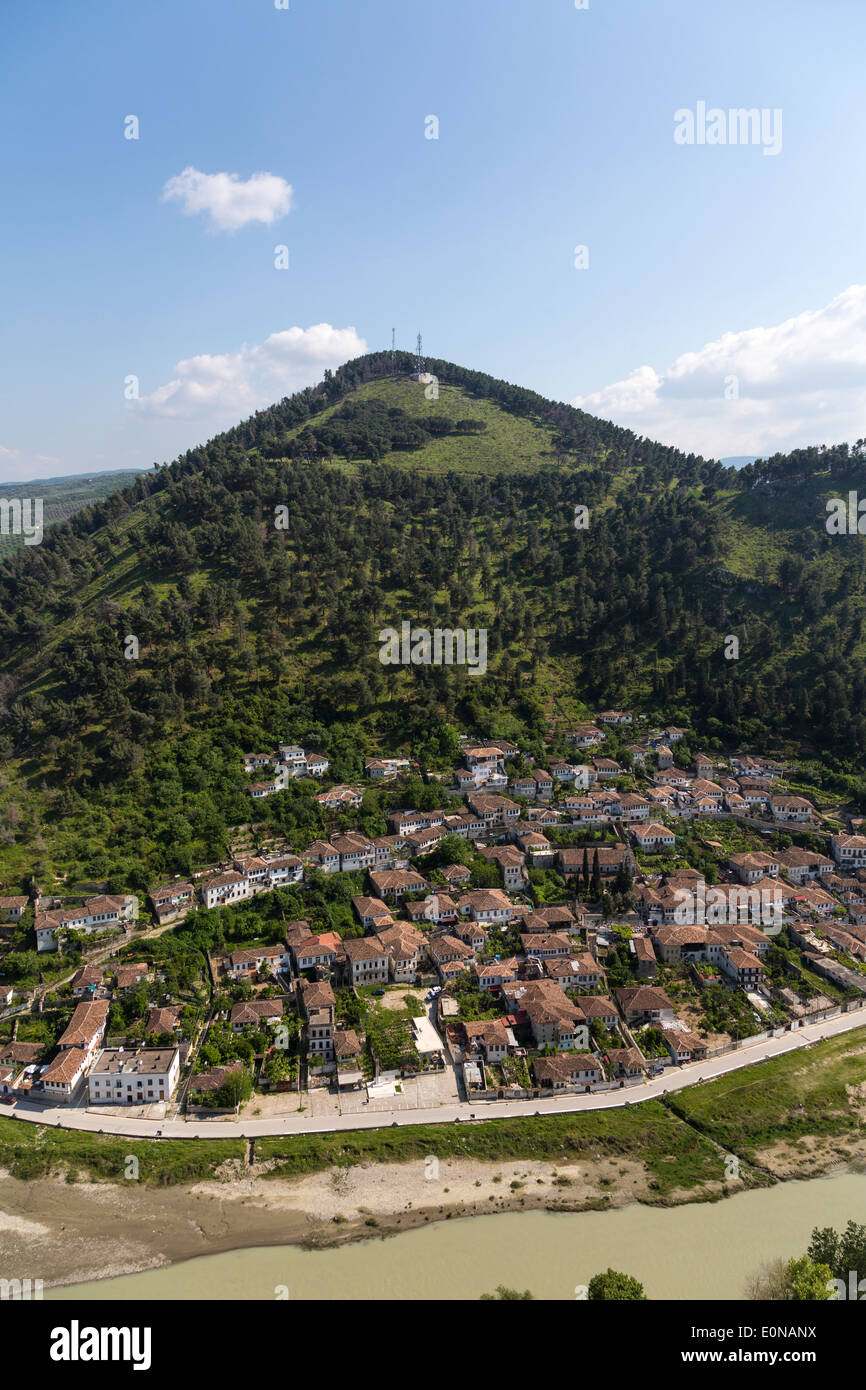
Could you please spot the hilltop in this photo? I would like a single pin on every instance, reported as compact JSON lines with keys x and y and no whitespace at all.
{"x":256,"y":571}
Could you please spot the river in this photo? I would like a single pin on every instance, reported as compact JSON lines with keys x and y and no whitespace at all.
{"x":704,"y":1250}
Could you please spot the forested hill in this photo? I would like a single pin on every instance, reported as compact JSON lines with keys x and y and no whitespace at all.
{"x":256,"y":571}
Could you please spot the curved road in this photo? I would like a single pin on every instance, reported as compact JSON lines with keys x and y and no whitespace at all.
{"x":673,"y":1079}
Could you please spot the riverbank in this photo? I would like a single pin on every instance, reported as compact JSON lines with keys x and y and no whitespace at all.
{"x":685,"y":1252}
{"x":78,"y":1232}
{"x":69,"y":1233}
{"x":62,"y":1220}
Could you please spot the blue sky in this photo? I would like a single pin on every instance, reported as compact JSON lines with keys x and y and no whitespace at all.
{"x":556,"y":129}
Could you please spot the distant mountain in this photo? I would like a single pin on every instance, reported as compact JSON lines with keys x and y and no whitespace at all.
{"x":256,"y":572}
{"x":63,"y":497}
{"x":740,"y":460}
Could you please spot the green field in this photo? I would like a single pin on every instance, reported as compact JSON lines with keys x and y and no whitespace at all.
{"x":803,"y":1093}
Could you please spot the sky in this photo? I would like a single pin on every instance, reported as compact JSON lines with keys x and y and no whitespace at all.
{"x":538,"y":186}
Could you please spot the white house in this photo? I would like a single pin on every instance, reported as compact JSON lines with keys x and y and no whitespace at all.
{"x":12,"y":909}
{"x":121,"y":1077}
{"x":259,"y":790}
{"x":355,"y":851}
{"x":242,"y":964}
{"x":486,"y":905}
{"x":228,"y":887}
{"x":317,"y":764}
{"x":324,"y":856}
{"x":367,"y":960}
{"x":286,"y":868}
{"x":790,"y":808}
{"x":292,"y":756}
{"x":849,"y":851}
{"x":63,"y":1076}
{"x":653,"y":837}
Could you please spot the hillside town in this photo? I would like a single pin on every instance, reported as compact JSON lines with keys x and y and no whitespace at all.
{"x":568,"y":928}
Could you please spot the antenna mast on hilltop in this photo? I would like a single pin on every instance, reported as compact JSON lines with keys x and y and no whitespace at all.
{"x":393,"y":348}
{"x":419,"y":360}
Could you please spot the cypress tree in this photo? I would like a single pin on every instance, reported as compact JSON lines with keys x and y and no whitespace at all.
{"x":596,"y":877}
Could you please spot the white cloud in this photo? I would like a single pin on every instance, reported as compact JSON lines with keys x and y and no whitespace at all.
{"x":799,"y":382}
{"x":226,"y":386}
{"x":229,"y":201}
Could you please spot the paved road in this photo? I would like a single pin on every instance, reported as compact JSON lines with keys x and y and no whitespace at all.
{"x":673,"y":1079}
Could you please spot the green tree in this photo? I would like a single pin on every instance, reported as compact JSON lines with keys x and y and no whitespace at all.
{"x":844,"y":1252}
{"x":234,"y":1091}
{"x":809,"y":1282}
{"x":595,"y":887}
{"x":786,"y":1281}
{"x":614,"y":1287}
{"x":279,"y":1065}
{"x":506,"y":1295}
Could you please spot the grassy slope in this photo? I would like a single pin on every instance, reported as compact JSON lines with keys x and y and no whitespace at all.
{"x":803,"y":1093}
{"x":509,"y":444}
{"x":766,"y":526}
